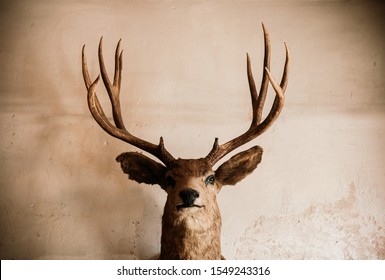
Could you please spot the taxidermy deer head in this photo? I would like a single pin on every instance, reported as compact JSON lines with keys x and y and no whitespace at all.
{"x":191,"y":222}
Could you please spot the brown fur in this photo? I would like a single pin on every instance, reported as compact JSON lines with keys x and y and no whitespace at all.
{"x":191,"y":233}
{"x":239,"y":166}
{"x":191,"y":236}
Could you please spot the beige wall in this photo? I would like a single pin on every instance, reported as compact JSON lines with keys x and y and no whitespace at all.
{"x":320,"y":189}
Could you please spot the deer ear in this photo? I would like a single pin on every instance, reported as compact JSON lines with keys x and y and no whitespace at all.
{"x":141,"y":168}
{"x":239,"y":166}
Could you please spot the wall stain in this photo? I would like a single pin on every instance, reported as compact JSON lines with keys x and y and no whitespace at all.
{"x":337,"y":230}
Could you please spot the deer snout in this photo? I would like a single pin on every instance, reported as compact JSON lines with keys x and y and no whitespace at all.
{"x":188,"y":196}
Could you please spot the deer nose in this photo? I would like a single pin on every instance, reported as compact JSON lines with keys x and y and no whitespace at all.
{"x":188,"y":196}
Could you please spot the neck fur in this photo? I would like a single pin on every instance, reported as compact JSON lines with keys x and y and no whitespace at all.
{"x":191,"y":238}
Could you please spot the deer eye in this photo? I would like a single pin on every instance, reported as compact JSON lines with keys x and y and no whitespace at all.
{"x":170,"y":182}
{"x":210,"y":180}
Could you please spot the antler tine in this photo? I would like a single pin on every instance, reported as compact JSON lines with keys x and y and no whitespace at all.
{"x":285,"y":75}
{"x":113,"y":89}
{"x":258,"y":101}
{"x":86,"y":75}
{"x":257,"y":117}
{"x":257,"y":126}
{"x":119,"y":131}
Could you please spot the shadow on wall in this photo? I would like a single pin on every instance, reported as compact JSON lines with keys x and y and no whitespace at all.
{"x":339,"y":226}
{"x":55,"y":201}
{"x":54,"y":204}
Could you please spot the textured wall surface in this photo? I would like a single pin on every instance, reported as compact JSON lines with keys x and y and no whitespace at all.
{"x":319,"y":192}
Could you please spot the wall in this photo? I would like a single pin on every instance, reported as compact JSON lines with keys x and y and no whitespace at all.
{"x":319,"y":191}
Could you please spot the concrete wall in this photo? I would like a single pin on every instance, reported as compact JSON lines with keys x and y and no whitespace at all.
{"x":319,"y":192}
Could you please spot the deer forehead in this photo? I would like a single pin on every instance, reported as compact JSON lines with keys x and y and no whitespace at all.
{"x":183,"y":169}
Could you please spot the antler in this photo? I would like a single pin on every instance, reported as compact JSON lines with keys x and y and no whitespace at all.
{"x":257,"y":126}
{"x":119,"y":131}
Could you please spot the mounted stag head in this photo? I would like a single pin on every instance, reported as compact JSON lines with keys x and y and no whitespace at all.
{"x":191,"y":222}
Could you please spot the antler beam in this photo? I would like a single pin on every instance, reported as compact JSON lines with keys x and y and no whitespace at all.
{"x":257,"y":126}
